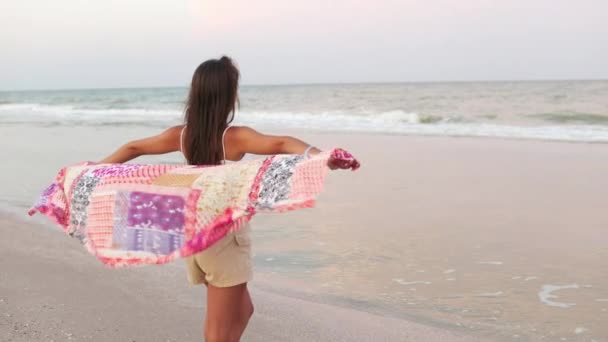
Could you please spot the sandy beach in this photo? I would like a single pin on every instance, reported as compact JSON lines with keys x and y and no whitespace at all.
{"x":434,"y":239}
{"x":52,"y":290}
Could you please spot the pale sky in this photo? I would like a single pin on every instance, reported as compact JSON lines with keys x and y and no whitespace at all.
{"x":142,"y":43}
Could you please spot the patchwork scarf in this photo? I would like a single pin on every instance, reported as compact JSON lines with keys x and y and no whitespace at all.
{"x":129,"y":214}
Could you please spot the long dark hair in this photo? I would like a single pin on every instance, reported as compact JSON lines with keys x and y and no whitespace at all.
{"x":211,"y":104}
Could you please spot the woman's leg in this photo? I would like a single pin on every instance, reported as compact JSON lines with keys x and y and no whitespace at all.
{"x":228,"y":312}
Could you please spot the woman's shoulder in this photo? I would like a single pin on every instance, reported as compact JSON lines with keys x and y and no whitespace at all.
{"x":239,"y":136}
{"x":238,"y":132}
{"x":173,"y":135}
{"x":175,"y":129}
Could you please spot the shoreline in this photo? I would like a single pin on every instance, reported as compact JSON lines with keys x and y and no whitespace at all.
{"x":101,"y":304}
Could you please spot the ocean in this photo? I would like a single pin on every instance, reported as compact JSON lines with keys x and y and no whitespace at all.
{"x":543,"y":110}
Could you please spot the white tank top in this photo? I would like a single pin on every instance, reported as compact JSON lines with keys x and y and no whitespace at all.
{"x":181,"y":144}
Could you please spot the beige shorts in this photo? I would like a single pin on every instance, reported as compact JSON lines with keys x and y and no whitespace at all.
{"x":226,"y":263}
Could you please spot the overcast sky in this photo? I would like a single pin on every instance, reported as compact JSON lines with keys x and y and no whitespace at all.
{"x":129,"y":43}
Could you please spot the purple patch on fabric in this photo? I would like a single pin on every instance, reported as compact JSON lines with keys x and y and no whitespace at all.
{"x":45,"y":198}
{"x":152,"y":241}
{"x":115,"y":170}
{"x":163,"y":212}
{"x":154,"y":223}
{"x":50,"y":190}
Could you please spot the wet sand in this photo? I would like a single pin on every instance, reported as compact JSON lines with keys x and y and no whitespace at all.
{"x":476,"y":233}
{"x":499,"y":239}
{"x":51,"y":290}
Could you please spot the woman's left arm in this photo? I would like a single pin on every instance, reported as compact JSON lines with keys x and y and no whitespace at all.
{"x":167,"y":141}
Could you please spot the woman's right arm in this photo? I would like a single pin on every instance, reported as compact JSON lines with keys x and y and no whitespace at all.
{"x":248,"y":140}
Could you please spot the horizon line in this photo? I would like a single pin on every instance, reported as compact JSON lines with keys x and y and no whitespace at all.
{"x":315,"y":84}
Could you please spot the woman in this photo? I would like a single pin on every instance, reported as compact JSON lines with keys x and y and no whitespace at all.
{"x":208,"y":139}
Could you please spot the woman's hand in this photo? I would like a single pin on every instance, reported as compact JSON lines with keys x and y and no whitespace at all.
{"x":341,"y":159}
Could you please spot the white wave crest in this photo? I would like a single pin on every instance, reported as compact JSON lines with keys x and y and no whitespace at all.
{"x":37,"y":112}
{"x":391,"y":122}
